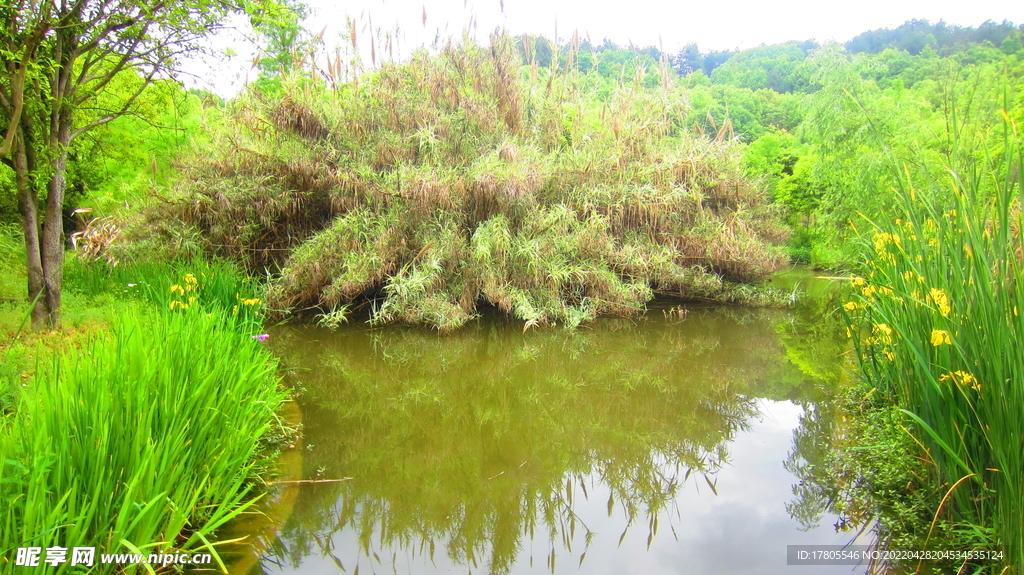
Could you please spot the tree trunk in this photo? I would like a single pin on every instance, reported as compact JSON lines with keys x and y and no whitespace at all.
{"x":28,"y":202}
{"x":53,"y":224}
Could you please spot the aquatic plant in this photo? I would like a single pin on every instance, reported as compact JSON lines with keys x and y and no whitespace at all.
{"x":145,"y":438}
{"x":428,"y":188}
{"x":179,"y":285}
{"x":937,"y":325}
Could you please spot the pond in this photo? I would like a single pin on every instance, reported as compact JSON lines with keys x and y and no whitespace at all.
{"x":670,"y":443}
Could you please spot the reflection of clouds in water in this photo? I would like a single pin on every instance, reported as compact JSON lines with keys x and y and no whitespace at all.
{"x":743,"y":530}
{"x":746,"y":528}
{"x":502,"y":419}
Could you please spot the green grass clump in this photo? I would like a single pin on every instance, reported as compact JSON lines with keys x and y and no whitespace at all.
{"x":182,"y":284}
{"x":429,"y":188}
{"x":941,"y":331}
{"x":144,"y":438}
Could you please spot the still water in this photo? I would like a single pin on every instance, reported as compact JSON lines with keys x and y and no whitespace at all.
{"x":672,"y":443}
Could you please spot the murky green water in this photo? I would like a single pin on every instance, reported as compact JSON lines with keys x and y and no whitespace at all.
{"x":659,"y":445}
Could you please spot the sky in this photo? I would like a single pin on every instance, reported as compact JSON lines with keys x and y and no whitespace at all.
{"x":667,"y":24}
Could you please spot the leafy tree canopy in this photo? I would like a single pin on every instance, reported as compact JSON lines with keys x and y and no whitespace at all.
{"x":63,"y":65}
{"x":914,"y":35}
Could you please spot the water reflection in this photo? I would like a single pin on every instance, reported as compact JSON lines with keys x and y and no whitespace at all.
{"x":601,"y":451}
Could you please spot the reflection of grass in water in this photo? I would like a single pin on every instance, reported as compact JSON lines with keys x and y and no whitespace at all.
{"x":480,"y":438}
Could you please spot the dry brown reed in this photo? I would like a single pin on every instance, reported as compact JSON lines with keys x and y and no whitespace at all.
{"x":450,"y":181}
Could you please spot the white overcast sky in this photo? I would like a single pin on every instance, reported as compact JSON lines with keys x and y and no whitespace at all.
{"x":668,"y":24}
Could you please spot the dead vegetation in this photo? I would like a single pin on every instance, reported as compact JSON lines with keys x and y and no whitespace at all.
{"x":431,"y":187}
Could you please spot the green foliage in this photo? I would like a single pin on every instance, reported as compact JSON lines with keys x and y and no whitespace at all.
{"x":853,"y":111}
{"x":914,"y":36}
{"x":172,"y":285}
{"x":612,"y":62}
{"x":286,"y":43}
{"x":856,"y":459}
{"x":146,"y":437}
{"x":780,"y":67}
{"x":450,"y":181}
{"x":749,"y":113}
{"x":939,"y":328}
{"x":876,"y":111}
{"x":65,"y":64}
{"x":118,"y":162}
{"x":690,"y":60}
{"x":132,"y":154}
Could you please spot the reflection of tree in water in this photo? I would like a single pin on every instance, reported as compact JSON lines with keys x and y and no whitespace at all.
{"x":810,"y":461}
{"x":472,"y":441}
{"x":816,"y":342}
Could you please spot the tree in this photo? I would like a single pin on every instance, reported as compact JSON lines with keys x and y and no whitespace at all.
{"x":285,"y":42}
{"x":689,"y":60}
{"x":59,"y":59}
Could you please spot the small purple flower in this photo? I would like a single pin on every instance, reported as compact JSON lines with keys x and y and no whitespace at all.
{"x":261,"y":337}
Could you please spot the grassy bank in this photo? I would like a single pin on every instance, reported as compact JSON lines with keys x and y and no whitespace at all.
{"x":940,"y":331}
{"x":140,"y":433}
{"x":465,"y":179}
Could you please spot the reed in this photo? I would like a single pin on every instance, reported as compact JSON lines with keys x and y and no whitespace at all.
{"x":145,"y":438}
{"x":435,"y":186}
{"x":939,"y":328}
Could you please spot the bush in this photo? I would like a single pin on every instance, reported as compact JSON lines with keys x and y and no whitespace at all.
{"x":462,"y":179}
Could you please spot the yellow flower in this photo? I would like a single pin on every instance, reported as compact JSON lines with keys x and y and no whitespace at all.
{"x":868,"y":291}
{"x":941,"y":301}
{"x":883,"y":239}
{"x":941,"y":336}
{"x":908,"y":275}
{"x":175,"y":304}
{"x":962,"y":378}
{"x":253,"y":301}
{"x":968,"y":251}
{"x":889,"y":355}
{"x":885,"y":331}
{"x":191,"y":279}
{"x":850,"y":306}
{"x":933,"y":242}
{"x":191,"y":299}
{"x":177,"y":289}
{"x":858,"y":281}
